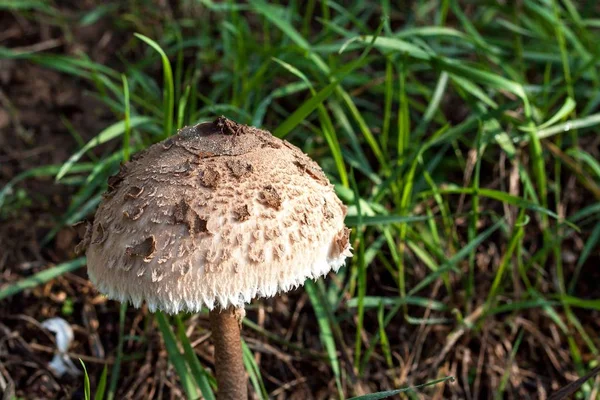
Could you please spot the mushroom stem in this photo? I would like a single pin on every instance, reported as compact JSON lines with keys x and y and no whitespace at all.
{"x":231,"y":375}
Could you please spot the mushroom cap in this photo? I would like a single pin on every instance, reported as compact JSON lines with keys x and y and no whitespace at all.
{"x":215,"y":216}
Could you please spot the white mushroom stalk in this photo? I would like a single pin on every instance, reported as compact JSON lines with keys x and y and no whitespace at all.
{"x":215,"y":216}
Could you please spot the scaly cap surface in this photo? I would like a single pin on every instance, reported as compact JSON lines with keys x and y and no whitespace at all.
{"x":215,"y":216}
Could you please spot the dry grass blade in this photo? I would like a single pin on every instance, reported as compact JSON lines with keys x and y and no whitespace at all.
{"x":572,"y":387}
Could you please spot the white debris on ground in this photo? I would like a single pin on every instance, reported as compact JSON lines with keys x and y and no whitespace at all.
{"x":61,"y":363}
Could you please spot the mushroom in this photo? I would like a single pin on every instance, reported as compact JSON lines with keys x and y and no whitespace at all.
{"x":215,"y":216}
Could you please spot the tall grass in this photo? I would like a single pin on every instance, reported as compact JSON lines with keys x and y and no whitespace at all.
{"x":448,"y":130}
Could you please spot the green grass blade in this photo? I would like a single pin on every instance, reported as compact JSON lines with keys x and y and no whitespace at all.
{"x":86,"y":385}
{"x":254,"y":372}
{"x":199,"y":373}
{"x":378,"y":220}
{"x":101,"y":388}
{"x":383,"y":338}
{"x":397,"y":45}
{"x":182,"y":107}
{"x":275,"y":15}
{"x":97,"y":13}
{"x":461,"y":254}
{"x":325,"y":333}
{"x":127,"y":121}
{"x":507,"y":372}
{"x":434,"y":104}
{"x":580,"y":303}
{"x":577,"y":123}
{"x":79,"y":67}
{"x":116,"y":368}
{"x":168,"y":87}
{"x":42,"y":277}
{"x":176,"y":358}
{"x":562,"y":113}
{"x":387,"y":109}
{"x":304,"y":110}
{"x":506,"y":260}
{"x":592,"y":163}
{"x":376,"y":301}
{"x":508,"y":199}
{"x":34,"y":5}
{"x":115,"y":130}
{"x":44,"y":171}
{"x":390,"y":393}
{"x":73,"y":217}
{"x":364,"y":128}
{"x":289,"y":89}
{"x":361,"y":272}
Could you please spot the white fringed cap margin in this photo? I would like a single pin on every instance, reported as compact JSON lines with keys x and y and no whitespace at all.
{"x":215,"y":216}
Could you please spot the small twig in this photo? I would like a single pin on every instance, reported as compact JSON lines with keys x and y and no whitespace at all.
{"x":457,"y":334}
{"x":27,"y":154}
{"x":7,"y":386}
{"x":74,"y":356}
{"x":287,"y":386}
{"x":37,"y":47}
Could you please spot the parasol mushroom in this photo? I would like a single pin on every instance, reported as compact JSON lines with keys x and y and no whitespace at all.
{"x":215,"y":216}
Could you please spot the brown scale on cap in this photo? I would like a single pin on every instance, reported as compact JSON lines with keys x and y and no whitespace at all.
{"x":294,"y":237}
{"x":270,"y":141}
{"x":272,"y":144}
{"x":327,"y":211}
{"x":272,"y":233}
{"x":118,"y":228}
{"x":228,"y":127}
{"x":311,"y":169}
{"x":167,"y":144}
{"x":210,"y":178}
{"x":216,"y":215}
{"x":238,"y":239}
{"x":225,"y":255}
{"x":205,"y":154}
{"x":279,"y":251}
{"x":185,"y":268}
{"x":256,"y":253}
{"x":101,"y":235}
{"x":340,"y":242}
{"x":134,"y":212}
{"x":115,"y":180}
{"x":199,"y":225}
{"x":271,"y":197}
{"x":184,"y":214}
{"x":239,"y":168}
{"x":144,"y":250}
{"x":185,"y":169}
{"x":84,"y":231}
{"x":290,"y":146}
{"x":133,"y":192}
{"x":137,"y":156}
{"x":157,"y":275}
{"x":241,"y":213}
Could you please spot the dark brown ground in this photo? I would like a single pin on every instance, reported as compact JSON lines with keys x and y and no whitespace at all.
{"x":32,"y":133}
{"x":32,"y":101}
